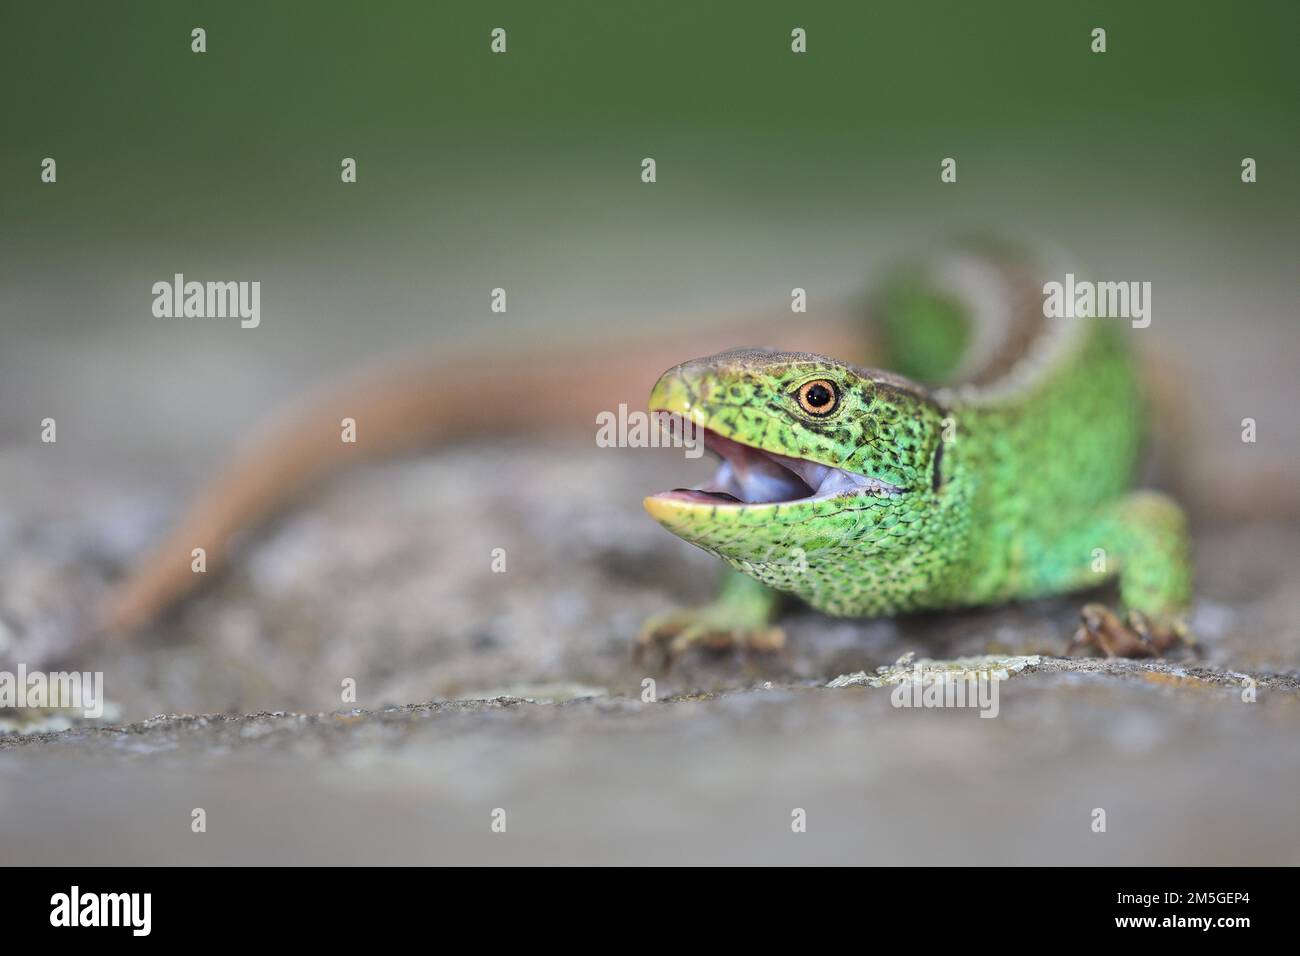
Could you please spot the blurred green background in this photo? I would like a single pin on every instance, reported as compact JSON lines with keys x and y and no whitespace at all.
{"x":522,"y":171}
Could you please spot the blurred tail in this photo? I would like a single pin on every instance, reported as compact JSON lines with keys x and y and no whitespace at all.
{"x":966,"y":314}
{"x":406,"y":406}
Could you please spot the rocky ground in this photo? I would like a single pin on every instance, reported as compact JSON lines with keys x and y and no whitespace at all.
{"x":479,"y":692}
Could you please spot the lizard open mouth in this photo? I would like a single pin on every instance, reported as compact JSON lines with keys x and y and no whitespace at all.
{"x":751,"y":476}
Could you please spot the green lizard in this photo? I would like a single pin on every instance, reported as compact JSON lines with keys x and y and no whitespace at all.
{"x":866,"y":493}
{"x":863,"y":492}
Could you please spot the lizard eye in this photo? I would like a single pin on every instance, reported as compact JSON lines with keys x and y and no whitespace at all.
{"x":819,"y":397}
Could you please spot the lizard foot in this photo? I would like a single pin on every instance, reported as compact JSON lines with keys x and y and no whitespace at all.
{"x":713,"y":626}
{"x":1134,"y":636}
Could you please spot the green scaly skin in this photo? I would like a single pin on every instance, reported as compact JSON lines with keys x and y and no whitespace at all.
{"x":1012,"y":489}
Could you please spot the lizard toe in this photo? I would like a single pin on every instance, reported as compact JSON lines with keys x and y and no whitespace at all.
{"x":676,"y":633}
{"x":1136,"y":635}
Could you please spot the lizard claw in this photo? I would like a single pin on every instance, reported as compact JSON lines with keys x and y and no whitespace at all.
{"x":677,"y":632}
{"x":1134,"y":636}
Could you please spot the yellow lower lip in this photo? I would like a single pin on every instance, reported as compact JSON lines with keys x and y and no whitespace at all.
{"x":664,"y":510}
{"x":670,"y":511}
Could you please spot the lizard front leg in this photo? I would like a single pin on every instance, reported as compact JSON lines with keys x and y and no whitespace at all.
{"x":1145,"y":533}
{"x":741,"y":616}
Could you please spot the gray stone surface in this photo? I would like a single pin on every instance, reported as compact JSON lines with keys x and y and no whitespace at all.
{"x":1184,"y":770}
{"x":534,"y":704}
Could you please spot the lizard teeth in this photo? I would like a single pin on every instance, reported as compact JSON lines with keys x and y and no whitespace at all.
{"x":829,"y":481}
{"x":749,"y":475}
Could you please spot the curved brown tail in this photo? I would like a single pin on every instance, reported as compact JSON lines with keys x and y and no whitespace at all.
{"x":407,"y":405}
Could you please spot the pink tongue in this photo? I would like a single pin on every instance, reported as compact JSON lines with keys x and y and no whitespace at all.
{"x":693,"y":494}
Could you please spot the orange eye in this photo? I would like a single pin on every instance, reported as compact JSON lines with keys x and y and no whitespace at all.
{"x":819,"y":397}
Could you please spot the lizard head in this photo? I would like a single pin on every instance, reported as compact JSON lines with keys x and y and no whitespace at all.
{"x":816,"y":455}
